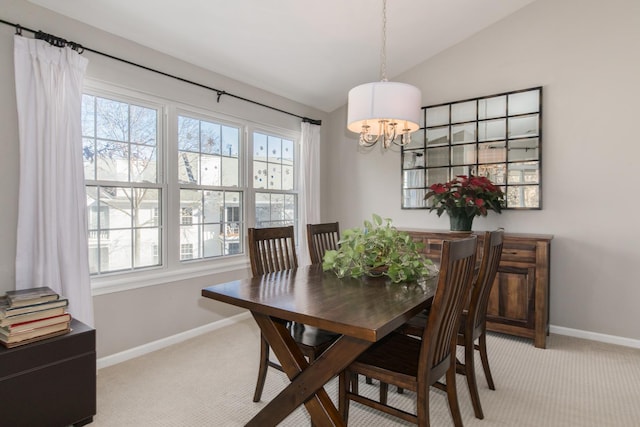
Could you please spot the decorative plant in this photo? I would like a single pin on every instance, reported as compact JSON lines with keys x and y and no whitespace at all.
{"x":473,"y":195}
{"x":377,"y":249}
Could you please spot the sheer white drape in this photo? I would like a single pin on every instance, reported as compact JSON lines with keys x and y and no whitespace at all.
{"x":52,"y":235}
{"x":310,"y":185}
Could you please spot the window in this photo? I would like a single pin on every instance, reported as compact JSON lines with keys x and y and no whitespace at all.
{"x":274,"y":167}
{"x":120,"y":152}
{"x":497,"y":136}
{"x":169,"y":186}
{"x":209,"y":179}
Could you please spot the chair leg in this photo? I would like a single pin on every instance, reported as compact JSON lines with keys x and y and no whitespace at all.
{"x":452,"y":394}
{"x":262,"y":370}
{"x":384,"y":392}
{"x":422,"y":406}
{"x":482,"y":347}
{"x":344,"y":385}
{"x":470,"y":373}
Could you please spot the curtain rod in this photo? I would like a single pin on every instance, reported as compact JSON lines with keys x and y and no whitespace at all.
{"x":60,"y":42}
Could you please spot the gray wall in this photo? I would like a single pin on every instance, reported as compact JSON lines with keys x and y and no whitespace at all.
{"x":127,"y":319}
{"x":586,"y":55}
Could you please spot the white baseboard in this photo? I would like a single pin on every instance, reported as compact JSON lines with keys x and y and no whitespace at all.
{"x":595,"y":336}
{"x":123,"y":356}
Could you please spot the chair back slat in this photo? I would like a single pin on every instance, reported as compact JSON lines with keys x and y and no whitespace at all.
{"x":272,"y":249}
{"x":321,"y":238}
{"x":439,"y":337}
{"x":492,"y":252}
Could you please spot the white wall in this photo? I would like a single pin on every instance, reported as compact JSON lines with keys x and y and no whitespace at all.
{"x":132,"y":318}
{"x":586,"y":55}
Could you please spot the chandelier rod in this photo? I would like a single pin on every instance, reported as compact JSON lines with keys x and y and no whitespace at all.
{"x":383,"y":51}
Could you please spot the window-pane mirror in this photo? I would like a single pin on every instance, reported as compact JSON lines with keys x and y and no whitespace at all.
{"x":497,"y":136}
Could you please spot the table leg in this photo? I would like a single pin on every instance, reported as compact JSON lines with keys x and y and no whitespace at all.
{"x":307,"y":381}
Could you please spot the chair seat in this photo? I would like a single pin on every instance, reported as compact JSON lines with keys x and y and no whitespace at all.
{"x":417,"y":323}
{"x":415,"y":326}
{"x":397,"y":353}
{"x":310,"y":339}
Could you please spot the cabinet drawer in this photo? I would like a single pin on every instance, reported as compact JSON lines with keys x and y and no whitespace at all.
{"x":519,"y":252}
{"x":15,"y":360}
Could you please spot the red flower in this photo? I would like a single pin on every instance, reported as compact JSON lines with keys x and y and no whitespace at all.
{"x":476,"y":194}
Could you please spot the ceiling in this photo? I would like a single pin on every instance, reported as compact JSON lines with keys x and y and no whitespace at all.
{"x":310,"y":51}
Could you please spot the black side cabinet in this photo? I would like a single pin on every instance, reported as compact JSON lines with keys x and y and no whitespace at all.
{"x":50,"y":383}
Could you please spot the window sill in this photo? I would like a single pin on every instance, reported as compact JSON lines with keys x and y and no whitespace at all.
{"x":126,"y":282}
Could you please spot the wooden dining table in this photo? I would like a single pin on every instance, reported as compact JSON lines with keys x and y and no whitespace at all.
{"x":362,"y":311}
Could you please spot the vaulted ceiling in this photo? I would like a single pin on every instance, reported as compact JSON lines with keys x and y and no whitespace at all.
{"x":310,"y":51}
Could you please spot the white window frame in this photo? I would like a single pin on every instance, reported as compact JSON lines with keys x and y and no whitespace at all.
{"x":172,"y":268}
{"x":285,"y":134}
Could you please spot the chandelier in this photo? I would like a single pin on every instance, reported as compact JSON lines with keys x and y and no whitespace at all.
{"x":384,"y":110}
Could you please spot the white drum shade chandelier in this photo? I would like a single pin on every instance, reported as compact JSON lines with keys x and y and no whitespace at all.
{"x":384,"y":110}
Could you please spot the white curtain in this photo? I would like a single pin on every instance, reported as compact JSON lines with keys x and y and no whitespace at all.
{"x":310,"y":185}
{"x":52,"y":234}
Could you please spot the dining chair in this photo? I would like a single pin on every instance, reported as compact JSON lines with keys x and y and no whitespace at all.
{"x":321,"y":238}
{"x":271,"y":250}
{"x":416,"y":364}
{"x":473,"y":321}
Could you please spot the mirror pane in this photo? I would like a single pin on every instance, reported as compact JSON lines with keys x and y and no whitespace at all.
{"x":413,"y":159}
{"x":463,"y":154}
{"x":463,"y":133}
{"x":416,"y":140}
{"x":413,"y":198}
{"x":492,"y":107}
{"x":492,"y":152}
{"x":463,"y":170}
{"x":437,"y":175}
{"x":463,"y":112}
{"x":438,"y":156}
{"x":496,"y":173}
{"x":523,"y":149}
{"x":523,"y":196}
{"x":438,"y":136}
{"x":524,"y":173}
{"x":523,"y":126}
{"x":489,"y":130}
{"x":524,"y":102}
{"x":413,"y":178}
{"x":437,"y":116}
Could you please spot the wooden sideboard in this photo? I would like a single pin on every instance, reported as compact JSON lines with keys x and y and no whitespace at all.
{"x":519,"y":301}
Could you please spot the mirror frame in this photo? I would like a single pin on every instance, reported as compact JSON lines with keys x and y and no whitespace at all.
{"x":454,"y":139}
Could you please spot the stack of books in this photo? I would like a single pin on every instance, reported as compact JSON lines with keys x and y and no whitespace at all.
{"x":30,"y":315}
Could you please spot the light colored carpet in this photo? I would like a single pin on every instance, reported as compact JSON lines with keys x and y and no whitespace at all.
{"x":209,"y":381}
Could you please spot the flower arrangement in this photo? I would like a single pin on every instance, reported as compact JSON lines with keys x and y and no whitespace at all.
{"x":468,"y":195}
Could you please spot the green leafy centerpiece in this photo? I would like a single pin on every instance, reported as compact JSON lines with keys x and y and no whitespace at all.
{"x":464,"y":198}
{"x":378,"y":249}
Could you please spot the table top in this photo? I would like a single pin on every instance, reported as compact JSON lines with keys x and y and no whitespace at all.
{"x":366,"y":308}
